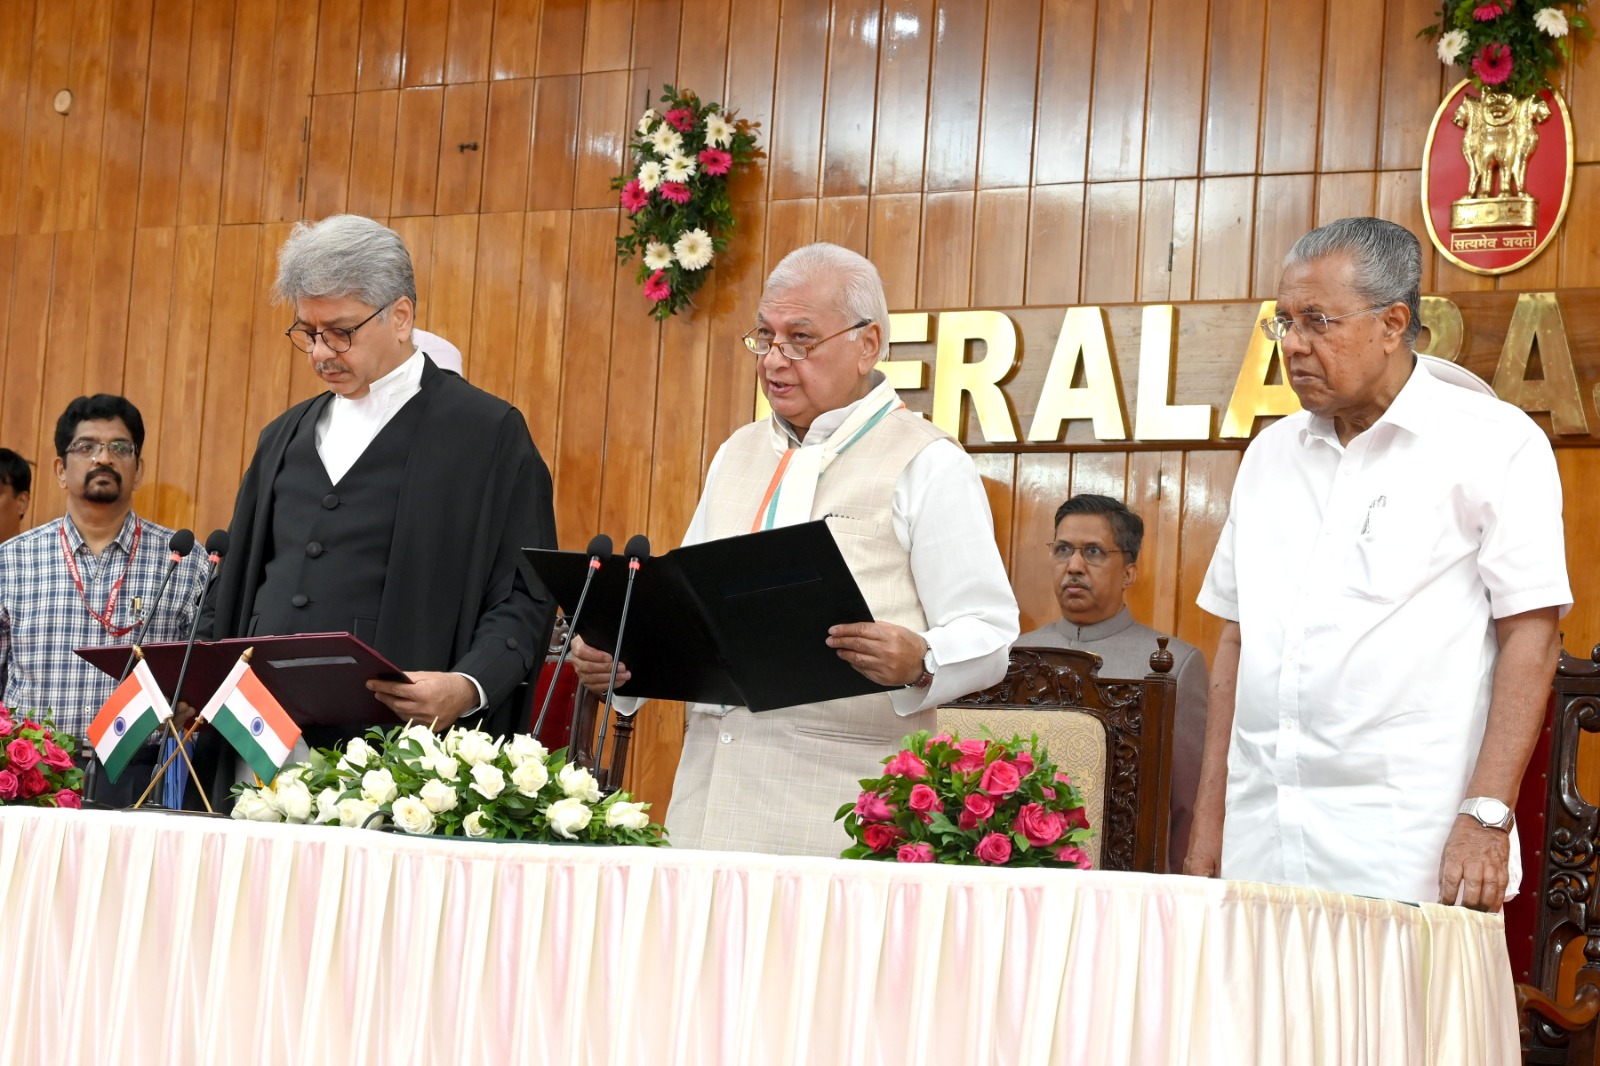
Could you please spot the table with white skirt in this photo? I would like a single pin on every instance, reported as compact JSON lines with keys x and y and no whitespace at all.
{"x":142,"y":937}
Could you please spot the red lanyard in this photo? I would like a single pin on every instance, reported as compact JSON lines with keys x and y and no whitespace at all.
{"x":111,"y":600}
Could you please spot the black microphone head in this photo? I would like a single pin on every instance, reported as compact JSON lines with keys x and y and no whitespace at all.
{"x":638,"y":547}
{"x":182,"y":542}
{"x":601,"y":546}
{"x":217,"y":543}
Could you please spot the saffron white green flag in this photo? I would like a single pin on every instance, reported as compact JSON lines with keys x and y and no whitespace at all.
{"x":257,"y":726}
{"x":133,"y":712}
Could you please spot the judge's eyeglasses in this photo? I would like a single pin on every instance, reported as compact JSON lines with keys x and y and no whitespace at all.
{"x":336,"y":338}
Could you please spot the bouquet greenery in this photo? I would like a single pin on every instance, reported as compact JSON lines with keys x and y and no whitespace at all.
{"x":36,"y":767}
{"x":1507,"y":45}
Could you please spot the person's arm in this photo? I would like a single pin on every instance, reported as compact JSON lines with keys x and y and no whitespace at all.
{"x":1205,"y":831}
{"x":1476,"y":860}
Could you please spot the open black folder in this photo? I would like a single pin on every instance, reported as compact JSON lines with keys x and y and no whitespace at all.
{"x":742,"y":621}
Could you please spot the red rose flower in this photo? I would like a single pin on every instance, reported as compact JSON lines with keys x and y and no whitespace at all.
{"x":680,"y":119}
{"x":923,"y":798}
{"x":68,"y":798}
{"x":942,"y":738}
{"x":1000,"y":778}
{"x":5,"y":727}
{"x":634,"y":198}
{"x":881,"y":837}
{"x":716,"y":161}
{"x":1493,"y":64}
{"x":915,"y":853}
{"x":1040,"y":826}
{"x":871,"y":807}
{"x":906,"y":764}
{"x":967,"y":822}
{"x":23,"y":755}
{"x":1024,"y":763}
{"x":656,"y":288}
{"x":1077,"y":818}
{"x":1074,"y":855}
{"x":8,"y":785}
{"x":994,"y":849}
{"x":31,"y":784}
{"x":56,"y":757}
{"x":978,"y":805}
{"x":972,"y":753}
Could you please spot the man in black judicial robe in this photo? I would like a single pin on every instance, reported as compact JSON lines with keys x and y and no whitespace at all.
{"x":396,"y":504}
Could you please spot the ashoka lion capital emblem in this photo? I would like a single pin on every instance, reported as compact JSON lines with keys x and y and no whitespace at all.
{"x":1501,"y":135}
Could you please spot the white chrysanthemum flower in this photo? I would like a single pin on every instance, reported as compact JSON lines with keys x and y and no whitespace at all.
{"x":1451,"y":45}
{"x":1551,"y":20}
{"x":679,"y":168}
{"x":649,"y":176}
{"x":719,"y":131}
{"x":666,"y":140}
{"x":648,"y":119}
{"x":657,"y":256}
{"x":693,"y":249}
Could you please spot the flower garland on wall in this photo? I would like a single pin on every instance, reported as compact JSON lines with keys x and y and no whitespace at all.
{"x":1507,"y":45}
{"x":677,"y":196}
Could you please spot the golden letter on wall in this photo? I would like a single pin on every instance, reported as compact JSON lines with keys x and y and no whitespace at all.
{"x":953,"y":375}
{"x":1083,"y":332}
{"x":1442,"y":319}
{"x":1537,"y":314}
{"x":909,"y":327}
{"x":1252,"y":396}
{"x":1154,"y":418}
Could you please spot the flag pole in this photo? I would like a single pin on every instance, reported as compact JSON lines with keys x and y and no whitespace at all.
{"x":183,"y":740}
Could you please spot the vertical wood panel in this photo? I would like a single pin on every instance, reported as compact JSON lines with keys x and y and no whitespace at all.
{"x":233,"y":303}
{"x":955,"y":96}
{"x":606,"y":37}
{"x":178,"y":436}
{"x":372,"y":153}
{"x":26,"y":333}
{"x":126,"y":80}
{"x":467,"y":41}
{"x":205,"y":112}
{"x":273,"y":360}
{"x":426,"y":25}
{"x":851,"y":72}
{"x":416,"y":160}
{"x":604,"y":122}
{"x":448,"y":311}
{"x":106,"y":348}
{"x":338,"y":47}
{"x":1155,"y":492}
{"x":143,"y":377}
{"x":1066,"y":68}
{"x":1233,"y":85}
{"x":85,"y":123}
{"x":1177,"y":89}
{"x":731,"y":374}
{"x":629,"y":414}
{"x":1005,"y":151}
{"x":1349,"y":90}
{"x":41,"y":141}
{"x":1222,"y":259}
{"x":461,"y":169}
{"x":580,"y":440}
{"x":1413,"y":81}
{"x":1055,"y":244}
{"x":561,"y":37}
{"x":998,"y":472}
{"x":1111,"y":242}
{"x":163,"y":123}
{"x":244,"y":150}
{"x":844,"y":220}
{"x":1116,"y":125}
{"x":1001,"y":248}
{"x":508,"y":144}
{"x":514,"y":51}
{"x":655,"y":52}
{"x":1580,"y":245}
{"x":1207,"y":487}
{"x":71,"y":283}
{"x":555,"y":142}
{"x":1344,"y":196}
{"x":496,"y":289}
{"x":752,"y":77}
{"x":289,"y":111}
{"x":894,"y":241}
{"x":703,"y":48}
{"x":1290,"y":103}
{"x":1283,"y":213}
{"x":1044,"y":479}
{"x":16,"y":54}
{"x":382,"y":44}
{"x":796,"y":138}
{"x":328,"y":154}
{"x":902,"y":97}
{"x":541,"y":324}
{"x":946,"y":279}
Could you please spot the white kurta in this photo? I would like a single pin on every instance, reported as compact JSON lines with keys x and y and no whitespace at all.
{"x":1365,"y":580}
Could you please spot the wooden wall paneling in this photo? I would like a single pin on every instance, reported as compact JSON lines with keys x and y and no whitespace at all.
{"x":1055,"y":244}
{"x":328,"y":154}
{"x":8,"y":263}
{"x":1155,"y":493}
{"x":946,"y":275}
{"x":274,"y":361}
{"x":679,"y":417}
{"x":417,"y":151}
{"x":561,"y":26}
{"x":84,"y":125}
{"x":1117,"y":118}
{"x":222,"y":441}
{"x":1579,"y":248}
{"x":127,"y":76}
{"x":845,"y":221}
{"x":382,"y":45}
{"x":71,"y":283}
{"x":149,"y":341}
{"x":1011,"y":74}
{"x":44,"y":130}
{"x":497,"y":286}
{"x":894,"y":241}
{"x":955,"y":96}
{"x":1345,"y":195}
{"x":1400,"y":200}
{"x":654,"y":61}
{"x":1175,"y":99}
{"x":418,"y":235}
{"x":607,"y":35}
{"x":580,"y":438}
{"x":162,"y":152}
{"x":730,"y":370}
{"x":1102,"y":473}
{"x":427,"y":24}
{"x":1291,"y":99}
{"x":16,"y":58}
{"x":998,"y":472}
{"x":630,"y":413}
{"x":850,"y":99}
{"x":508,"y":145}
{"x":1207,"y":487}
{"x":178,"y":436}
{"x":555,"y":142}
{"x":1066,"y":75}
{"x":1234,"y":52}
{"x":1412,"y":84}
{"x":461,"y":169}
{"x":105,"y":348}
{"x":541,"y":324}
{"x":1349,"y":90}
{"x":1000,"y":252}
{"x":1044,"y":479}
{"x":1111,"y":242}
{"x":338,"y":48}
{"x":27,"y":330}
{"x":901,"y":122}
{"x":1579,"y":85}
{"x":794,"y":144}
{"x":702,"y":61}
{"x":1541,"y":274}
{"x":372,"y":153}
{"x":245,"y":129}
{"x":514,"y":49}
{"x":449,"y":306}
{"x":605,"y":120}
{"x":1580,"y":513}
{"x":1223,"y":253}
{"x":210,"y":52}
{"x":289,"y":112}
{"x":1167,"y":240}
{"x":791,"y":224}
{"x":752,"y":84}
{"x":1282,"y":216}
{"x":467,"y":41}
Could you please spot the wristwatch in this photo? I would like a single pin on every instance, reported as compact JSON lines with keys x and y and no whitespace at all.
{"x":1490,"y":812}
{"x":926,"y":677}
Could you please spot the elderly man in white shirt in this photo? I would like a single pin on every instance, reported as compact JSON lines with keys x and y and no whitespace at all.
{"x":1391,"y":571}
{"x":908,"y":510}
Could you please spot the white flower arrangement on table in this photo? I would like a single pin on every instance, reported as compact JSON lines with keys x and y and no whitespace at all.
{"x":677,"y":195}
{"x":464,"y":783}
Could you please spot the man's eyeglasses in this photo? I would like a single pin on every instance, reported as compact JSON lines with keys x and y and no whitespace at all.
{"x":1062,"y":551}
{"x":90,"y":449}
{"x":1277,"y":327}
{"x":336,"y":338}
{"x":793,"y":351}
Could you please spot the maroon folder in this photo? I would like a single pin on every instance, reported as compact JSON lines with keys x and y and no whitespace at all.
{"x":320,"y":678}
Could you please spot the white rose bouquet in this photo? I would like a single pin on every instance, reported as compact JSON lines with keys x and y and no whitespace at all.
{"x":464,"y":783}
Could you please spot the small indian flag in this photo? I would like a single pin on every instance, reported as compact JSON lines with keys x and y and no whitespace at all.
{"x":128,"y":718}
{"x":254,"y":723}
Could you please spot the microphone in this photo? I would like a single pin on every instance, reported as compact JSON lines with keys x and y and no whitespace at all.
{"x":599,"y":549}
{"x":181,"y":544}
{"x":637,"y":550}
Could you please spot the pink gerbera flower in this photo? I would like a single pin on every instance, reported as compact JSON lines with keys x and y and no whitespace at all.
{"x":1491,"y":10}
{"x":676,"y":191}
{"x":680,"y":119}
{"x":656,"y":288}
{"x":716,"y":161}
{"x":1493,"y":64}
{"x":634,"y":197}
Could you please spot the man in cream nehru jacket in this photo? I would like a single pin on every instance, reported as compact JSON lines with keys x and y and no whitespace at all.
{"x":909,"y":514}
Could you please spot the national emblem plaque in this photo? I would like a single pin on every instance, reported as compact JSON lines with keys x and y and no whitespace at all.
{"x":1496,"y":177}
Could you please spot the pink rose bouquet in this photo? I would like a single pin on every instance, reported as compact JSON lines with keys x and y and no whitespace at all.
{"x":978,"y":802}
{"x":36,"y":767}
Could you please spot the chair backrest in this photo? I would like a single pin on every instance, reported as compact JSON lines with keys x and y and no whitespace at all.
{"x":1116,"y":739}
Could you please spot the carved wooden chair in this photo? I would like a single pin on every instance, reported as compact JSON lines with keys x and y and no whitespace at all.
{"x":1111,"y":736}
{"x":1559,"y":1010}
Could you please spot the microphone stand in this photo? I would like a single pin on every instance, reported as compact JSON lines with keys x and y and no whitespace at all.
{"x":599,"y":546}
{"x":638,"y":548}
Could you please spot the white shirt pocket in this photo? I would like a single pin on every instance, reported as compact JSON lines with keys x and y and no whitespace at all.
{"x":1389,"y":560}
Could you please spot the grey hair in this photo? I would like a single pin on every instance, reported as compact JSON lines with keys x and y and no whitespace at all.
{"x":860,"y":287}
{"x":345,"y":255}
{"x":1386,"y":256}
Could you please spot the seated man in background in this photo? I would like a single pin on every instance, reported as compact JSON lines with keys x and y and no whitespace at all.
{"x":16,"y":479}
{"x":1096,"y":554}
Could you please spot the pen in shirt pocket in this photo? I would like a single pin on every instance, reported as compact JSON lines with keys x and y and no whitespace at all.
{"x":1373,"y":508}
